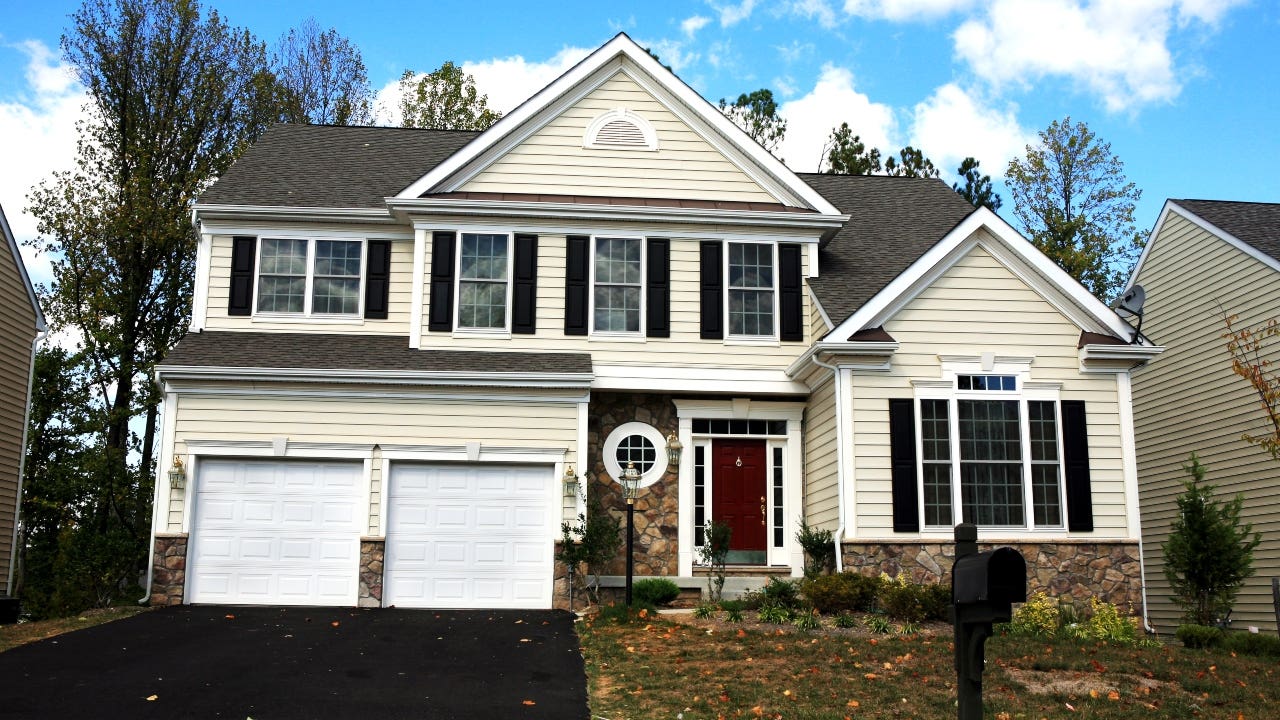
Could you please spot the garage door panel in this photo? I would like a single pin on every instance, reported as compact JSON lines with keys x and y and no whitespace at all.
{"x":469,"y":536}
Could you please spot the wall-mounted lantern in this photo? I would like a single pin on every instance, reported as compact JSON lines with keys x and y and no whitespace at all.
{"x":570,"y":482}
{"x":674,"y":448}
{"x":177,"y":475}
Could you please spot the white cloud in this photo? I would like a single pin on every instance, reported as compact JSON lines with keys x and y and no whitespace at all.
{"x":899,"y":10}
{"x":953,"y":124}
{"x":692,"y":25}
{"x":832,"y":101}
{"x":819,"y":10}
{"x":37,"y":137}
{"x":671,"y":52}
{"x":795,"y":52}
{"x":731,"y":14}
{"x":1117,"y":49}
{"x":785,"y":85}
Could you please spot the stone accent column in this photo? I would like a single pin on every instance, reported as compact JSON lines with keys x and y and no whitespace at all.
{"x":1074,"y":569}
{"x":560,"y":586}
{"x":169,"y":569}
{"x":372,"y":553}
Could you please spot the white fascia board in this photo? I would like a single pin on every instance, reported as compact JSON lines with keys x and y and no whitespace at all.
{"x":309,"y":227}
{"x":621,"y":44}
{"x":12,"y":242}
{"x":1135,"y":353}
{"x":621,"y":213}
{"x":907,"y":284}
{"x":166,"y":373}
{"x":1194,"y":219}
{"x":289,"y":213}
{"x":831,"y":350}
{"x":686,"y":379}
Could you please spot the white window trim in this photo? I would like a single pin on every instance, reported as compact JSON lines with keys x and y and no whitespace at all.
{"x":458,"y":328}
{"x":626,"y":430}
{"x":729,"y":337}
{"x":1027,"y":391}
{"x":306,"y":315}
{"x":630,"y":116}
{"x":644,"y":286}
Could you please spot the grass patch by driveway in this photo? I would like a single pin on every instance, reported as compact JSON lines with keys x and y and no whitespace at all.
{"x":661,"y":669}
{"x":11,"y":636}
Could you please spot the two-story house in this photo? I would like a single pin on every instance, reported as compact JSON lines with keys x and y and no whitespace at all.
{"x":408,"y":346}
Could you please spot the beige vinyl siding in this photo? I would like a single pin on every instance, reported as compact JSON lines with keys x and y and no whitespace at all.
{"x":1190,"y":400}
{"x":980,"y":306}
{"x":685,"y":347}
{"x":821,"y":494}
{"x":398,"y":307}
{"x":554,"y":161}
{"x":518,"y":422}
{"x":818,"y":327}
{"x":17,"y":330}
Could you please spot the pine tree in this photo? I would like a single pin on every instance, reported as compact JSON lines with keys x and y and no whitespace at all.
{"x":1209,"y":553}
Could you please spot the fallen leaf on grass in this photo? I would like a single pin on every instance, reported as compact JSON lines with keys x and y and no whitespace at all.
{"x":153,"y":698}
{"x":742,"y":633}
{"x":1113,"y":695}
{"x":1004,"y":716}
{"x":230,"y":617}
{"x":853,"y":703}
{"x":1070,"y":707}
{"x":870,"y":676}
{"x":335,"y":623}
{"x":528,"y":702}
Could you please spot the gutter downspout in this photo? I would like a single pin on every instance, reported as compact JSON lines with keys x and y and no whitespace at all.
{"x":155,"y":507}
{"x":840,"y":471}
{"x":41,"y":334}
{"x":1129,"y":450}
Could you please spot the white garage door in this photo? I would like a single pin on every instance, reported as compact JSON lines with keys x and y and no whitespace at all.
{"x":470,"y":536}
{"x":276,"y":533}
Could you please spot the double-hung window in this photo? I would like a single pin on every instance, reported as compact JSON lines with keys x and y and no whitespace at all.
{"x":752,"y":291}
{"x":483,"y":281}
{"x":618,"y":274}
{"x":991,"y":452}
{"x":316,"y":277}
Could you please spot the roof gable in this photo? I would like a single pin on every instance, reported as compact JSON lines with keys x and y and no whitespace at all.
{"x":1252,"y":228}
{"x":11,"y":243}
{"x":620,"y":54}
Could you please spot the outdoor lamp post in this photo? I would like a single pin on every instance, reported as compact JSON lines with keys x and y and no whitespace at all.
{"x":630,"y":485}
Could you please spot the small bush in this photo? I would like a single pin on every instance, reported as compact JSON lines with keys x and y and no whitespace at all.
{"x":908,"y":629}
{"x":1106,"y":623}
{"x":774,"y":614}
{"x":846,"y":620}
{"x":879,"y":624}
{"x":819,"y":549}
{"x":1038,"y":617}
{"x":1246,"y":643}
{"x":807,"y":621}
{"x":704,"y":610}
{"x":843,"y":592}
{"x":655,"y":591}
{"x":1200,"y":636}
{"x":937,"y":601}
{"x":734,"y":615}
{"x":904,"y":602}
{"x":782,"y":592}
{"x":731,"y":605}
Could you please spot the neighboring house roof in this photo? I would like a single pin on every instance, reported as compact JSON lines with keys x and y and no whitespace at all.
{"x":1257,"y":224}
{"x":12,"y":244}
{"x":892,"y":222}
{"x":325,"y":166}
{"x":316,"y":352}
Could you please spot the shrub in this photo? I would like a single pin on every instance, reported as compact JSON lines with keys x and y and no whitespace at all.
{"x":1106,"y":623}
{"x":908,"y":629}
{"x":704,"y":610}
{"x":903,"y":601}
{"x":733,"y":615}
{"x":843,"y":592}
{"x":819,"y":549}
{"x":879,"y":624}
{"x":1209,"y":553}
{"x":1037,"y":617}
{"x":937,"y":601}
{"x":731,"y":605}
{"x":655,"y":591}
{"x":781,"y":592}
{"x":1257,"y":644}
{"x":1199,"y":636}
{"x":807,"y":620}
{"x":593,"y":542}
{"x":715,"y":552}
{"x":846,"y":620}
{"x":775,"y":614}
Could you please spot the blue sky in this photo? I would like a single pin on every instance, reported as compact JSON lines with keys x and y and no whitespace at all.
{"x":1184,"y":90}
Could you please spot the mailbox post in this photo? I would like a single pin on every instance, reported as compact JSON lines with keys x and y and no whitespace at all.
{"x":984,"y":586}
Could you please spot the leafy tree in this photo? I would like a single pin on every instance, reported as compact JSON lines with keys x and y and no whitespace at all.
{"x":757,"y":115}
{"x":321,"y":78}
{"x":1073,"y":200}
{"x":445,"y":99}
{"x":845,"y":154}
{"x":1209,"y":553}
{"x":977,"y":187}
{"x":913,"y":163}
{"x":1254,"y":351}
{"x":174,"y":96}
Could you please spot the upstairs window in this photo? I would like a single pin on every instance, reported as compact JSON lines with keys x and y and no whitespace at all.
{"x":309,"y":277}
{"x":751,"y":289}
{"x":619,"y":281}
{"x":483,"y":274}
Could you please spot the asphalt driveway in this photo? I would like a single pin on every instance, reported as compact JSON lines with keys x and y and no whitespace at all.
{"x":283,"y":663}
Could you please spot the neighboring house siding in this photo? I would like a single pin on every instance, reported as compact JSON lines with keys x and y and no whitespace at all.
{"x":519,"y":422}
{"x":980,"y":306}
{"x":17,"y":330}
{"x":1191,"y":401}
{"x":820,"y":457}
{"x":818,"y":327}
{"x":554,"y":161}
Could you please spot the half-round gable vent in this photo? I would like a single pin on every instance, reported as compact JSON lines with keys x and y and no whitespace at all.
{"x":620,"y":129}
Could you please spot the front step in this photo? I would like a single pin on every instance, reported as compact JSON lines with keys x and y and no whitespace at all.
{"x":739,"y":580}
{"x":745,"y":571}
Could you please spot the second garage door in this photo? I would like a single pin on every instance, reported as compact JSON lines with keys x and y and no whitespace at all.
{"x":470,"y":536}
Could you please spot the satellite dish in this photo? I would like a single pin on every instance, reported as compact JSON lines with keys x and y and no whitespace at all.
{"x":1130,"y":303}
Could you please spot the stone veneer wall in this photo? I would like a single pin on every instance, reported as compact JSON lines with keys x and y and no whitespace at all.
{"x":1073,"y":568}
{"x":656,"y":509}
{"x":372,"y":552}
{"x":169,"y":569}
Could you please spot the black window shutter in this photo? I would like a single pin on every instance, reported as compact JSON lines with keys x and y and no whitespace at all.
{"x":790,"y":300}
{"x":658,"y":289}
{"x":524,"y":291}
{"x":244,"y":249}
{"x":377,"y":282}
{"x":1075,"y":458}
{"x":902,"y":453}
{"x":712,"y":289}
{"x":576,"y":279}
{"x":440,"y":317}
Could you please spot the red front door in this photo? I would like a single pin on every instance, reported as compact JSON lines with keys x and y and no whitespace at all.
{"x":738,"y":492}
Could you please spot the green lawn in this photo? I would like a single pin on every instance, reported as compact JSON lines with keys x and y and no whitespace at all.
{"x":660,"y":669}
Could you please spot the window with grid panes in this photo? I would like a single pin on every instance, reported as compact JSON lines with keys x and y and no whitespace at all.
{"x":482,"y":280}
{"x":619,"y":280}
{"x":316,"y":277}
{"x":751,"y":289}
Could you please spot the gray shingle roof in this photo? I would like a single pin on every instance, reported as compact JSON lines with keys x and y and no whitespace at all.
{"x":893,"y":221}
{"x":307,"y":351}
{"x":1255,"y":223}
{"x":332,"y":167}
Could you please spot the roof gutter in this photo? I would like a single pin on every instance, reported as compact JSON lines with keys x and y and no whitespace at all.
{"x":283,"y":212}
{"x":838,"y":536}
{"x":1137,"y":354}
{"x":382,"y":377}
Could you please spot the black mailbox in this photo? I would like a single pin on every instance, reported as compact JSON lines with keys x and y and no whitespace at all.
{"x":998,"y":577}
